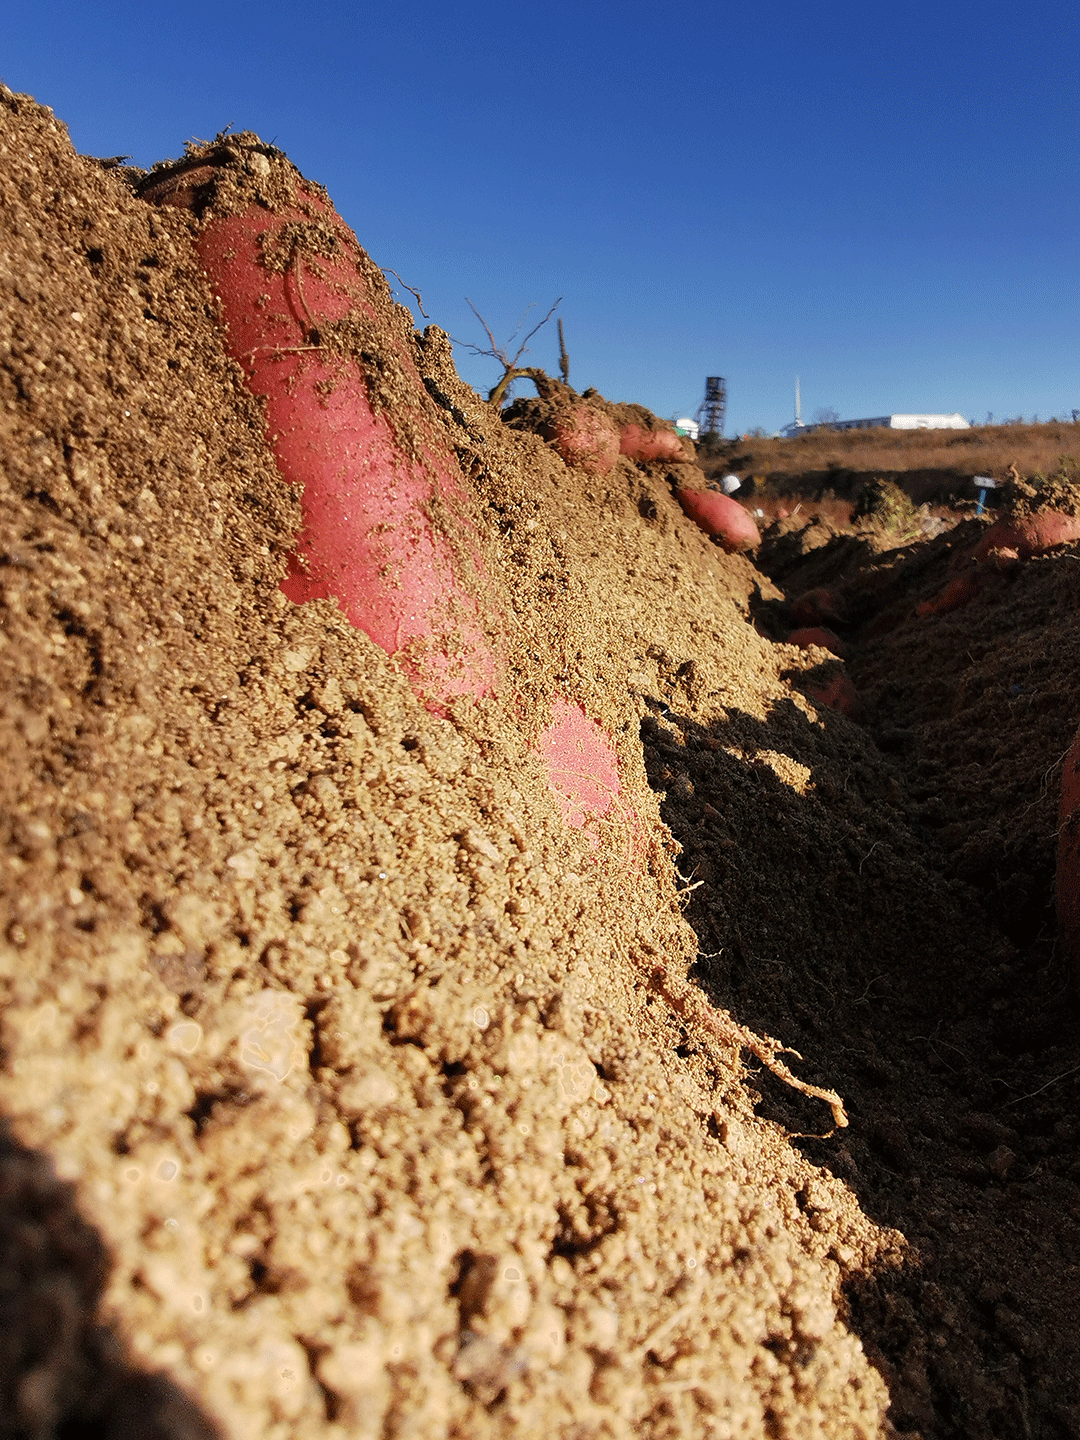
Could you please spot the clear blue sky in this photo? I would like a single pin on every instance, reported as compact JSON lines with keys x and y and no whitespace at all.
{"x":884,"y":200}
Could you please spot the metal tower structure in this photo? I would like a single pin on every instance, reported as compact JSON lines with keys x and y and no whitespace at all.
{"x":712,"y":410}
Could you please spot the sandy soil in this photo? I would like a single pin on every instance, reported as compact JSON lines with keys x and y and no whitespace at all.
{"x":347,"y":1092}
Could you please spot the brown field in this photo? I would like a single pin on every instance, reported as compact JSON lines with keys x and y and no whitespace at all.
{"x":929,"y":464}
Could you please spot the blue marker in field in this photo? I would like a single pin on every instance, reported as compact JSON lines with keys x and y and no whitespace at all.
{"x":985,"y":483}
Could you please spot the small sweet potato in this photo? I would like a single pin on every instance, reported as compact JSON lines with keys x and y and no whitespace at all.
{"x":818,"y":635}
{"x":720,"y":516}
{"x":584,"y":436}
{"x":818,"y":607}
{"x":837,"y":693}
{"x":583,"y":433}
{"x":639,"y":443}
{"x":957,"y":592}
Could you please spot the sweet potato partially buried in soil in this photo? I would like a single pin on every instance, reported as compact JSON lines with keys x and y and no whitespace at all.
{"x":1027,"y":535}
{"x":581,"y":432}
{"x":303,"y":311}
{"x":583,"y":769}
{"x":818,"y":635}
{"x":639,"y":443}
{"x":957,"y":593}
{"x":720,"y":516}
{"x":1007,"y":542}
{"x":645,"y":438}
{"x":386,"y":530}
{"x":583,"y":436}
{"x":819,"y":607}
{"x":836,"y":693}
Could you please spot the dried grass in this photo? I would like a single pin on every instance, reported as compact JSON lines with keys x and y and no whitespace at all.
{"x":983,"y":450}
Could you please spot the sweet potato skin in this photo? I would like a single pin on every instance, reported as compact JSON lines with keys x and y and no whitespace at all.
{"x":584,"y":437}
{"x":957,"y":593}
{"x":638,"y":443}
{"x":818,"y":635}
{"x":818,"y":607}
{"x":839,"y":694}
{"x":1027,"y":535}
{"x":367,"y":538}
{"x":720,"y":516}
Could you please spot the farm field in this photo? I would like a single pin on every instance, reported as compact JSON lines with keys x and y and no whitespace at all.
{"x":931,"y":465}
{"x":348,"y":1089}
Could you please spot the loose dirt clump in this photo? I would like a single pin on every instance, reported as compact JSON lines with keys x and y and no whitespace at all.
{"x":347,"y":1090}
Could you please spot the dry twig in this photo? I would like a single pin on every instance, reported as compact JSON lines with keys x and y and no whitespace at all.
{"x":501,"y":353}
{"x":414,"y":293}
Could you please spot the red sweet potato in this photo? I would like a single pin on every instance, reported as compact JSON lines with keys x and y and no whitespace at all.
{"x":720,"y":516}
{"x":818,"y":607}
{"x":957,"y":592}
{"x":1027,"y":535}
{"x":639,"y":443}
{"x":293,"y":288}
{"x":285,"y":278}
{"x":1068,"y":854}
{"x":584,"y":436}
{"x":837,"y":694}
{"x":582,"y":765}
{"x":583,"y":433}
{"x":818,"y":635}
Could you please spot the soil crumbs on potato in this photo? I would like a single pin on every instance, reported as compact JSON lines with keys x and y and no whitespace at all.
{"x":349,"y":1093}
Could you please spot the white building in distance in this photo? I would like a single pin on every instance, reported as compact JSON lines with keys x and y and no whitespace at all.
{"x":882,"y":422}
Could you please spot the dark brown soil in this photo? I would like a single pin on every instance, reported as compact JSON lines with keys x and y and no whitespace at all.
{"x":347,"y":1092}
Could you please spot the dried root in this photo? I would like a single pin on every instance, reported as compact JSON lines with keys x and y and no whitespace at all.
{"x":694,"y":1008}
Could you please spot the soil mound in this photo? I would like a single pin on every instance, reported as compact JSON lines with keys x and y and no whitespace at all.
{"x":351,"y":1092}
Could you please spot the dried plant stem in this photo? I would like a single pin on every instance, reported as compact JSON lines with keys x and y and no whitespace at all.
{"x":695,"y":1009}
{"x":564,"y":357}
{"x":501,"y":353}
